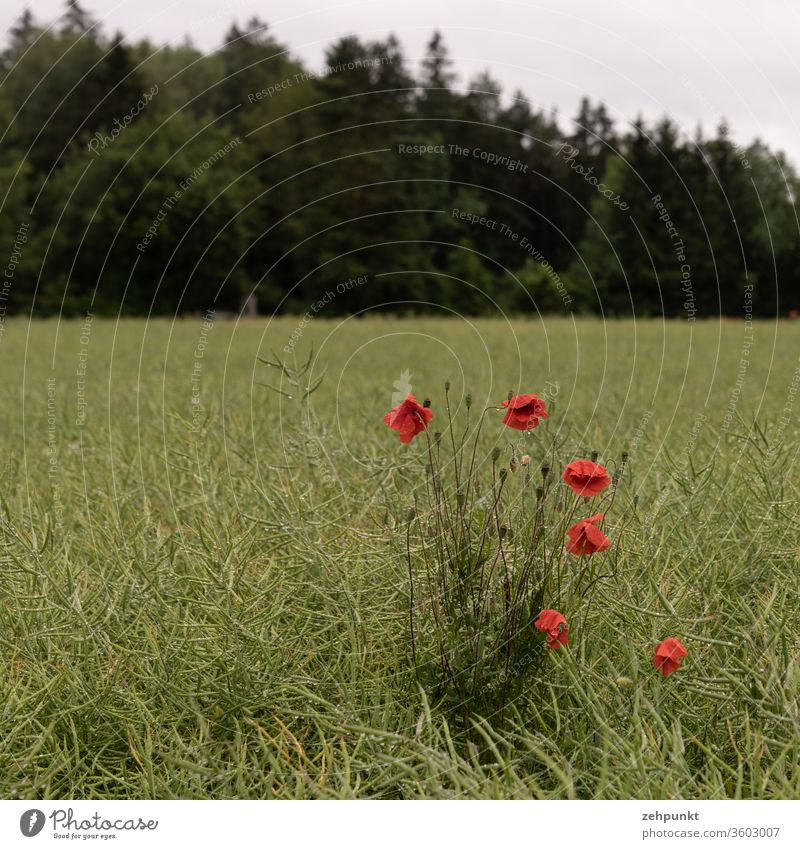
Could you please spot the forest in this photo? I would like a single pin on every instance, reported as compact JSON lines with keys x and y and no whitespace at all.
{"x":151,"y":179}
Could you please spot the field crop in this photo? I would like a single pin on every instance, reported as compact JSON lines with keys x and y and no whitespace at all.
{"x":203,"y":587}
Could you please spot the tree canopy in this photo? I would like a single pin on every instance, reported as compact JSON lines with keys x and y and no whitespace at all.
{"x":158,"y":179}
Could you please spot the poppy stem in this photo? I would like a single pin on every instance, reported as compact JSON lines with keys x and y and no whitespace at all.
{"x":411,"y":593}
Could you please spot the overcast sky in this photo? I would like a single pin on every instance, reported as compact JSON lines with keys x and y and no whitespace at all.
{"x":696,"y":61}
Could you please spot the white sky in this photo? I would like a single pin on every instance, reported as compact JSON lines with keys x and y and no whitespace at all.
{"x":695,"y":61}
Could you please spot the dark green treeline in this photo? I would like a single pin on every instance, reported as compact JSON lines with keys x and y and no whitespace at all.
{"x":140,"y":178}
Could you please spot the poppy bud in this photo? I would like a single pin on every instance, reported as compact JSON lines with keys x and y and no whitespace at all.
{"x":545,"y":471}
{"x":461,"y":499}
{"x":495,"y":455}
{"x":503,"y":531}
{"x":447,"y":386}
{"x":539,"y":493}
{"x":594,"y":456}
{"x":412,"y":514}
{"x":436,"y":437}
{"x":510,"y":394}
{"x":624,"y":457}
{"x":503,"y":474}
{"x":468,"y":401}
{"x":512,"y":465}
{"x":525,"y":459}
{"x":426,"y":403}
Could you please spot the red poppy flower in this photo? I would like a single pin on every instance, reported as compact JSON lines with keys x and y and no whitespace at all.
{"x":668,"y":656}
{"x":410,"y":418}
{"x":524,"y":412}
{"x":586,"y":538}
{"x":586,"y":478}
{"x":555,"y":626}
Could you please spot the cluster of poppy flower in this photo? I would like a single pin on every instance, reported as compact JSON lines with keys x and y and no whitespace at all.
{"x":410,"y":417}
{"x":585,"y":477}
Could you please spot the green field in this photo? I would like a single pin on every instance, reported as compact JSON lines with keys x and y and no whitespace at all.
{"x":203,"y":591}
